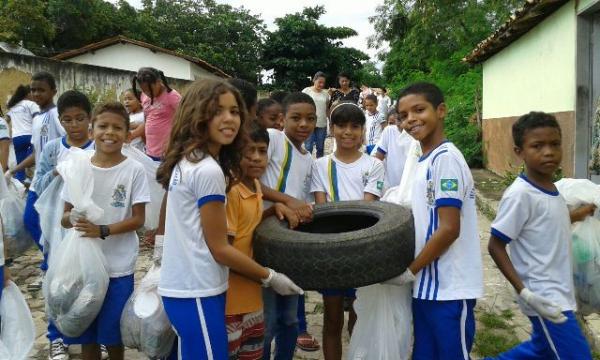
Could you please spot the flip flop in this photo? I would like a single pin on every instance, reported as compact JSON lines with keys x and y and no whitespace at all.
{"x":307,"y":342}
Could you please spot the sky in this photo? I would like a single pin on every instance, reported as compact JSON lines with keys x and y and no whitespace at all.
{"x":351,"y":13}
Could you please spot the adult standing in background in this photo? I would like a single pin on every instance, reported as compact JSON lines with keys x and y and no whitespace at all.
{"x":321,"y":98}
{"x":21,"y":110}
{"x":344,"y":92}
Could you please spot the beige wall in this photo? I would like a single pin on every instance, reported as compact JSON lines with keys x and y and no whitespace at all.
{"x":536,"y":72}
{"x":498,"y":143}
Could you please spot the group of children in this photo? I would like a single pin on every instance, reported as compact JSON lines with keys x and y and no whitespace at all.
{"x":227,"y":162}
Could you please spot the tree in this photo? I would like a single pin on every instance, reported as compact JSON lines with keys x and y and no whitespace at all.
{"x":25,"y":22}
{"x":427,"y":40}
{"x":301,"y":46}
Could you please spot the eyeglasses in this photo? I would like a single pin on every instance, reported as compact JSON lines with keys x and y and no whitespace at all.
{"x":77,"y":120}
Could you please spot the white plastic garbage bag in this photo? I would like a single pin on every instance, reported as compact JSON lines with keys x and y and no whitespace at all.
{"x":144,"y":322}
{"x":50,"y":206}
{"x":156,"y":190}
{"x":77,"y":280}
{"x":383,"y":328}
{"x":12,"y":206}
{"x":585,"y":243}
{"x":17,"y":332}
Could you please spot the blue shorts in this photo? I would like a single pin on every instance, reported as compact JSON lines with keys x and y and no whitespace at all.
{"x":443,"y":329}
{"x":348,"y":293}
{"x":552,"y":341}
{"x":106,"y":328}
{"x":200,"y":327}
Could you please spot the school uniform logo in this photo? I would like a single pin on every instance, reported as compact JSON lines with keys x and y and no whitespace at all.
{"x":430,"y":193}
{"x":119,"y":196}
{"x":3,"y":127}
{"x":365,"y":178}
{"x":449,"y":184}
{"x":380,"y":185}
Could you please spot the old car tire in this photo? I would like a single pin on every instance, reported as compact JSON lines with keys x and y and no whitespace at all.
{"x":348,"y":244}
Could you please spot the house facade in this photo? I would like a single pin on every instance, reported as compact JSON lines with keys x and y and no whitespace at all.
{"x":122,"y":53}
{"x":545,"y":58}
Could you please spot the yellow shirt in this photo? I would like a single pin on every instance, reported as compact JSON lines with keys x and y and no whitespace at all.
{"x":244,"y":213}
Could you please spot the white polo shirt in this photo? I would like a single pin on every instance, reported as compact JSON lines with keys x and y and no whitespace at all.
{"x":536,"y":224}
{"x":442,"y":179}
{"x":343,"y":182}
{"x":394,"y":144}
{"x":46,"y":127}
{"x":4,"y":130}
{"x":289,"y":170}
{"x":21,"y":116}
{"x":188,"y":267}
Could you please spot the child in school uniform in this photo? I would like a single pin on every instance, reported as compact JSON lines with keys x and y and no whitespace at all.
{"x":74,"y":111}
{"x":268,"y":114}
{"x":534,"y":221}
{"x":244,"y":313}
{"x":347,"y":174}
{"x":45,"y":127}
{"x":375,"y":123}
{"x":121,"y":190}
{"x":392,"y":148}
{"x":202,"y":158}
{"x":447,"y":270}
{"x":133,"y":105}
{"x":21,"y":110}
{"x":289,"y":172}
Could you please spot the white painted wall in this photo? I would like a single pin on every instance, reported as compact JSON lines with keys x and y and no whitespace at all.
{"x":132,"y":57}
{"x":536,"y":72}
{"x":196,"y":72}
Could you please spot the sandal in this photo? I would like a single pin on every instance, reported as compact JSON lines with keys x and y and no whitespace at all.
{"x":307,"y":342}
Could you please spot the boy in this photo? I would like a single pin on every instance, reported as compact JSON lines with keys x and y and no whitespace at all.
{"x":289,"y":172}
{"x":533,"y":219}
{"x":74,"y":113}
{"x":375,"y":122}
{"x":392,"y":148}
{"x":244,"y":314}
{"x":347,"y":174}
{"x":121,"y":190}
{"x":45,"y":127}
{"x":447,"y":270}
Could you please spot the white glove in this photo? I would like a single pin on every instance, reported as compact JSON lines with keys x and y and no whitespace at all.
{"x":545,"y":308}
{"x":281,"y":284}
{"x":403,"y":279}
{"x":8,"y":175}
{"x":76,"y":215}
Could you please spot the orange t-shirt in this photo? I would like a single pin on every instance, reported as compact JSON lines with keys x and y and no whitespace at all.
{"x":244,"y":212}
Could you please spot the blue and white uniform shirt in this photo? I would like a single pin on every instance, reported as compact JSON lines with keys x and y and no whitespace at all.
{"x":188,"y":267}
{"x":341,"y":181}
{"x":443,"y":179}
{"x":535,"y":224}
{"x":45,"y":127}
{"x":288,"y":170}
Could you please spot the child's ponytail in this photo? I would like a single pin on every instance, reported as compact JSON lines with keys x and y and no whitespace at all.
{"x":164,"y":80}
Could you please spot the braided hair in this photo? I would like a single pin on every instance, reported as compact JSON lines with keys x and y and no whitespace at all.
{"x":148,"y":75}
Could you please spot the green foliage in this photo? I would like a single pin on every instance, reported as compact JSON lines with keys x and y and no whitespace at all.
{"x":428,"y":40}
{"x":494,"y":334}
{"x":301,"y":46}
{"x":25,"y":22}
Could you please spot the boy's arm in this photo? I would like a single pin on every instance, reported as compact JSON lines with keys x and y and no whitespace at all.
{"x":447,"y":232}
{"x":303,"y":209}
{"x":320,"y":197}
{"x":136,"y":221}
{"x":45,"y":170}
{"x":582,"y":212}
{"x":497,"y":250}
{"x":282,"y":212}
{"x":28,"y":162}
{"x":4,"y":151}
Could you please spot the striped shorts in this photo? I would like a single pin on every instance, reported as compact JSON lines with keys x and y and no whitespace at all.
{"x":245,"y":334}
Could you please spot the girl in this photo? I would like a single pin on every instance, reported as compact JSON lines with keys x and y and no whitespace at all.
{"x":347,"y":174}
{"x":269,"y":114}
{"x":136,"y":118}
{"x":121,"y":189}
{"x":21,"y":111}
{"x":204,"y":153}
{"x":159,"y":102}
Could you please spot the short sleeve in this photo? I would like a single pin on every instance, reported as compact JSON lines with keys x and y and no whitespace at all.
{"x":4,"y":131}
{"x":381,"y":119}
{"x":449,"y":184}
{"x":208,"y":184}
{"x":140,"y":192}
{"x":375,"y":180}
{"x":174,"y":99}
{"x":384,"y":142}
{"x":59,"y":128}
{"x":233,"y":210}
{"x":33,"y":108}
{"x":306,"y":90}
{"x":318,"y":176}
{"x":512,"y":215}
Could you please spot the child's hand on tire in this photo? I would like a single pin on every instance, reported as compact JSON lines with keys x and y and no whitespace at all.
{"x":281,"y":284}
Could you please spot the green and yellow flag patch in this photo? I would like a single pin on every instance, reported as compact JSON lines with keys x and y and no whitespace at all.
{"x":449,"y":184}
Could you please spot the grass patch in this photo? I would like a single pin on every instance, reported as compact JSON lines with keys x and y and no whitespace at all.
{"x":319,"y":308}
{"x":495,"y":334}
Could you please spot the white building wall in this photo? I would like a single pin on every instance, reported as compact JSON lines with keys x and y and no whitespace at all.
{"x":536,"y":72}
{"x":132,"y":57}
{"x":196,"y":72}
